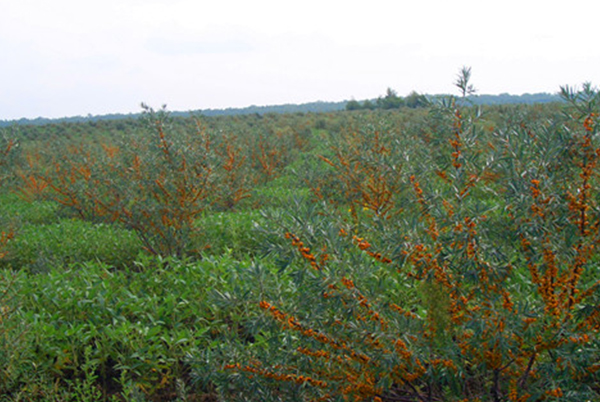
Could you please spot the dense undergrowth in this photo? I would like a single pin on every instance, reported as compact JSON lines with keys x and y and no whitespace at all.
{"x":440,"y":254}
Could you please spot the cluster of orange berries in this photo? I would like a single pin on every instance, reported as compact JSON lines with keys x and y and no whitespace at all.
{"x":290,"y":322}
{"x":358,"y":385}
{"x":400,"y":310}
{"x":556,"y":392}
{"x":372,"y":315}
{"x":319,"y":353}
{"x":535,"y":188}
{"x":402,"y":349}
{"x":305,"y":251}
{"x":298,"y":379}
{"x":443,"y":175}
{"x":513,"y":395}
{"x":449,"y":364}
{"x":418,"y":190}
{"x":588,"y":123}
{"x":348,"y":283}
{"x":432,"y":224}
{"x":456,"y":144}
{"x":365,"y":245}
{"x":425,"y":261}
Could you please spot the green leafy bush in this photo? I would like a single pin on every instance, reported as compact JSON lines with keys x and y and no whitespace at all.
{"x":39,"y":248}
{"x":90,"y":328}
{"x":20,"y":211}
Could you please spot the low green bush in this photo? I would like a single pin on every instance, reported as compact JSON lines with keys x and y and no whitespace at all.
{"x":18,"y":211}
{"x":89,"y":328}
{"x":230,"y":232}
{"x":39,"y":247}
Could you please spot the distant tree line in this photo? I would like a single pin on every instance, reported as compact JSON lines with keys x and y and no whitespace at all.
{"x":311,"y":107}
{"x":391,"y":100}
{"x":507,"y":99}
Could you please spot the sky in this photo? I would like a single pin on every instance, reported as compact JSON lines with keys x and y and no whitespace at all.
{"x":65,"y":58}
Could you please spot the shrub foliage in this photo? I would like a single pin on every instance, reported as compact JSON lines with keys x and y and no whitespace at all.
{"x":445,"y":253}
{"x":494,"y":243}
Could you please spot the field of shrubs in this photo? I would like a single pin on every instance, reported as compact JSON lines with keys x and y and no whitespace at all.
{"x":443,"y":253}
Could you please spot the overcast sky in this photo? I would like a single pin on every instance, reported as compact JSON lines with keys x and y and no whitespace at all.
{"x":77,"y":57}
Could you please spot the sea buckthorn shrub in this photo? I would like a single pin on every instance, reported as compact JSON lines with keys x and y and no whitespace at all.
{"x":487,"y":290}
{"x":153,"y":184}
{"x":367,"y":165}
{"x":158,"y":179}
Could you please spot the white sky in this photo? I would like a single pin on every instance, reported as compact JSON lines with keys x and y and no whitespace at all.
{"x":74,"y":57}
